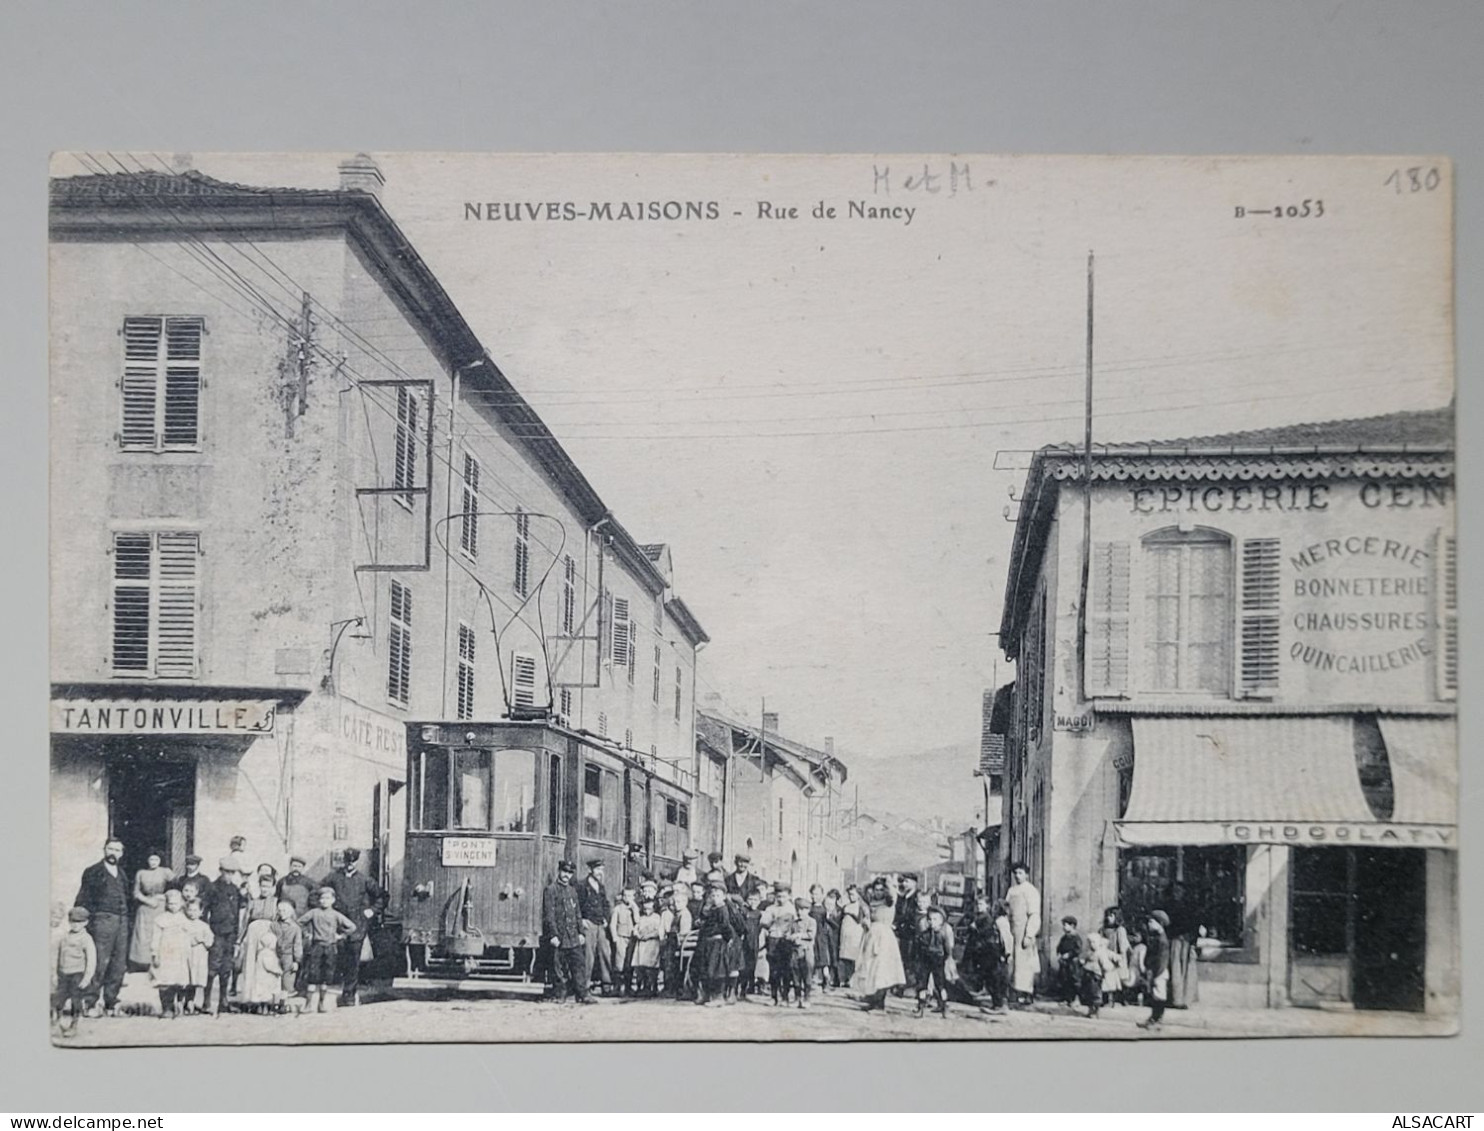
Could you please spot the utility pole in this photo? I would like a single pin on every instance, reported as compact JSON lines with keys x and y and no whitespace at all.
{"x":1086,"y":499}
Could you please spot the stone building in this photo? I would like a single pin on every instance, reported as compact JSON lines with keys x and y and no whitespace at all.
{"x":1245,"y":714}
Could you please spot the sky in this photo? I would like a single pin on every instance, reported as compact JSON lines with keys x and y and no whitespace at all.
{"x":827,"y":417}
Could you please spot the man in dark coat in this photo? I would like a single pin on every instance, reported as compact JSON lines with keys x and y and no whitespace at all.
{"x":357,"y":897}
{"x":222,"y":911}
{"x":192,"y":883}
{"x":741,"y":882}
{"x":904,"y":923}
{"x":296,"y":887}
{"x":104,"y":892}
{"x":561,"y":931}
{"x":592,"y":900}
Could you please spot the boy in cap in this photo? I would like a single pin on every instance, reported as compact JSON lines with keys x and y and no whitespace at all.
{"x":741,"y":881}
{"x":800,"y":936}
{"x":776,"y":922}
{"x":74,"y":962}
{"x":561,"y":930}
{"x":222,"y":911}
{"x":321,"y":932}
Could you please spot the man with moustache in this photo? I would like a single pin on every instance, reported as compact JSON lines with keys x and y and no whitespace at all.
{"x":105,"y":894}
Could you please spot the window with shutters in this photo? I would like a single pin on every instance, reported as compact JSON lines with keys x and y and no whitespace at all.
{"x":522,"y":553}
{"x":603,"y":723}
{"x":404,"y":467}
{"x":399,"y":645}
{"x":466,"y":672}
{"x":155,"y":602}
{"x":633,"y":651}
{"x":522,"y":679}
{"x":469,"y":516}
{"x":1258,"y":669}
{"x":621,"y":628}
{"x":679,"y":684}
{"x":658,"y":664}
{"x":1032,"y":663}
{"x":161,"y":385}
{"x":628,"y":739}
{"x":1446,"y":596}
{"x":1187,"y":611}
{"x":1108,"y":620}
{"x":569,"y":595}
{"x":566,"y":704}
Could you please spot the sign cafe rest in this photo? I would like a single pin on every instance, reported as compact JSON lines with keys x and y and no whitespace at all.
{"x":154,"y":716}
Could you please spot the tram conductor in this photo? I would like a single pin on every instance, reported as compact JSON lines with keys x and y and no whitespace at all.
{"x":561,"y":930}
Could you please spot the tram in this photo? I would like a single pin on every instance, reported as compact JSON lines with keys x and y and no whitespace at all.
{"x":492,"y":808}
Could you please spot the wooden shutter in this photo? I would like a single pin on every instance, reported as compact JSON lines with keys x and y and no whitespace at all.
{"x":140,"y":429}
{"x":466,"y":672}
{"x":132,"y":570}
{"x":175,"y":622}
{"x":399,"y":644}
{"x":181,"y":421}
{"x":404,"y":470}
{"x":522,"y":552}
{"x":469,"y":526}
{"x":1260,"y":650}
{"x":1108,"y":620}
{"x":621,"y":631}
{"x":522,"y":679}
{"x":1445,"y":589}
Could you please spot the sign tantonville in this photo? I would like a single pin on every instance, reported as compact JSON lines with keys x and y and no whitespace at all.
{"x":131,"y":716}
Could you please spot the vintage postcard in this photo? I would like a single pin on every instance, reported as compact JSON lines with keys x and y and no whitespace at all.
{"x":622,"y":597}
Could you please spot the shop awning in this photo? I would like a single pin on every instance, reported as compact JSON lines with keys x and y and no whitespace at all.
{"x":1424,"y":769}
{"x":1279,"y":780}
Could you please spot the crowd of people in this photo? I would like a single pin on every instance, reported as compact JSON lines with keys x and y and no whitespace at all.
{"x":256,"y":940}
{"x":250,"y":939}
{"x":716,"y":938}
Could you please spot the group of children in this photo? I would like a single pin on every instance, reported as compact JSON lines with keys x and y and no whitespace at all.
{"x":737,"y":945}
{"x":276,"y":944}
{"x":1105,"y":967}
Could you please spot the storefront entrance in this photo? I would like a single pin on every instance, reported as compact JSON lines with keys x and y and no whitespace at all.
{"x":151,"y":804}
{"x":1359,"y":927}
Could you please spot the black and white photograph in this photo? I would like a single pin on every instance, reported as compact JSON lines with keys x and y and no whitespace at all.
{"x":592,"y":598}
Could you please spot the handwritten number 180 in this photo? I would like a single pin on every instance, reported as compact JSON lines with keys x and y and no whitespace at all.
{"x":1415,"y":179}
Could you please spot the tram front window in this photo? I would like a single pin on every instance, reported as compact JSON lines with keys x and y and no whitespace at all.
{"x":471,"y":789}
{"x":430,"y":790}
{"x":515,"y":791}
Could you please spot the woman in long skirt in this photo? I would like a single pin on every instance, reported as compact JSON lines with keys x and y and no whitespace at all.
{"x":879,"y":969}
{"x":150,"y":883}
{"x":714,"y":933}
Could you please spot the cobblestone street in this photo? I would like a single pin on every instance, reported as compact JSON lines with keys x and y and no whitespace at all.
{"x":434,"y":1017}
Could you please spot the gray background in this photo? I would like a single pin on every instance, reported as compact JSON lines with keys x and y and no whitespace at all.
{"x":1251,"y":77}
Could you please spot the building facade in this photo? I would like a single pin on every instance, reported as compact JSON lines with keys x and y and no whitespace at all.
{"x":1249,"y":721}
{"x":298,"y":504}
{"x":780,"y":801}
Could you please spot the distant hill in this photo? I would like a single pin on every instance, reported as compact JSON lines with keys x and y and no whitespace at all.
{"x":927,"y":784}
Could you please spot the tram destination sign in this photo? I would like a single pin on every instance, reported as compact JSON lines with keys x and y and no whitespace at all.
{"x":469,"y":851}
{"x":163,"y":716}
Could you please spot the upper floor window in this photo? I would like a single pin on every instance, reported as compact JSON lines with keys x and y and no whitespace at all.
{"x":522,"y":679}
{"x":1188,"y":610}
{"x":154,"y":603}
{"x":522,"y":553}
{"x":161,"y":385}
{"x":399,"y":645}
{"x":569,"y":595}
{"x":466,"y":672}
{"x":404,"y":467}
{"x":469,"y":518}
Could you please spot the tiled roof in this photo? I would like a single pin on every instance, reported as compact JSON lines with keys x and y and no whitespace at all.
{"x":653,"y":550}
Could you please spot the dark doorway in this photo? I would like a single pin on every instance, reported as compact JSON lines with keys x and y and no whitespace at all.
{"x":1390,"y":928}
{"x":151,"y":805}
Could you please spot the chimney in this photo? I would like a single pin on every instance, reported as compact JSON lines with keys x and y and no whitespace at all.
{"x":770,"y":721}
{"x":829,"y":746}
{"x":361,"y":174}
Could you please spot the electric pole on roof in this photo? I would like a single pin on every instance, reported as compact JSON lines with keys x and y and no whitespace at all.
{"x":1086,"y":496}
